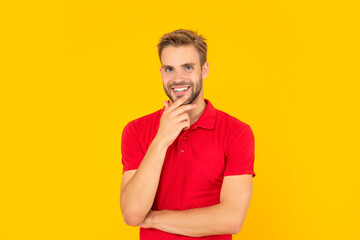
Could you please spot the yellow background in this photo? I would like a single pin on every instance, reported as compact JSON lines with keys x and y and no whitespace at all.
{"x":73,"y":73}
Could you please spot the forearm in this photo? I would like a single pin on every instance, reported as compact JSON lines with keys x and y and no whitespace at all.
{"x":138,"y":195}
{"x":196,"y":222}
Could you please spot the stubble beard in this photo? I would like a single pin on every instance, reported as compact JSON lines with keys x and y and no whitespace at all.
{"x":195,"y":91}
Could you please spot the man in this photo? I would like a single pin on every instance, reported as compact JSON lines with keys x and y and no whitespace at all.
{"x":188,"y":167}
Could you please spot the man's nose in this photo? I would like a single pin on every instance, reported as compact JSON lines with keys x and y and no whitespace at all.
{"x":178,"y":76}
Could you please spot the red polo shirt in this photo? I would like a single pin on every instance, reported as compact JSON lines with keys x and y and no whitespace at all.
{"x":215,"y":146}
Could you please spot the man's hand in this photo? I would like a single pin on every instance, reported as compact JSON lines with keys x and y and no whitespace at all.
{"x":146,"y":223}
{"x":173,"y":120}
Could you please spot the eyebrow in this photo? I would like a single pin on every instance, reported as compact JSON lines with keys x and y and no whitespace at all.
{"x":183,"y":65}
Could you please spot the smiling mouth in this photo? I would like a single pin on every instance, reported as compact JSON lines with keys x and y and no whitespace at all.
{"x":180,"y":90}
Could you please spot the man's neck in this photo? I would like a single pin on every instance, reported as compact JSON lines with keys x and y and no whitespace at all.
{"x":196,"y":113}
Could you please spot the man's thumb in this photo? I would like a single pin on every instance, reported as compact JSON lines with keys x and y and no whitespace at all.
{"x":166,"y":105}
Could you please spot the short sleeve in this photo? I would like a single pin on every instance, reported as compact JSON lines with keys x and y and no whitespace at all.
{"x":240,"y":154}
{"x":131,"y":151}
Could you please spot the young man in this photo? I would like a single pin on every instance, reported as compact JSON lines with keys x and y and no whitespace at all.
{"x":188,"y":167}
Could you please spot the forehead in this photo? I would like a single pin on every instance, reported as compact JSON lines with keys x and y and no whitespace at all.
{"x":179,"y":55}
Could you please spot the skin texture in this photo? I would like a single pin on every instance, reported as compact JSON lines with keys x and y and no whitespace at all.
{"x":228,"y":216}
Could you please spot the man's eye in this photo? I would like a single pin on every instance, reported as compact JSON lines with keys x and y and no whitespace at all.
{"x":188,"y":67}
{"x":168,"y":69}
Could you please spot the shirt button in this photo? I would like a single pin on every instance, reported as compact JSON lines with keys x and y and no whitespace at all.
{"x":182,"y":150}
{"x":183,"y":137}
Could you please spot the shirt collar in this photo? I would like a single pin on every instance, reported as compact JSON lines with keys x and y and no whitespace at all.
{"x":207,"y":118}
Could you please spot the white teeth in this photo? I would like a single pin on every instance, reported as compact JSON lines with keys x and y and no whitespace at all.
{"x":180,"y":89}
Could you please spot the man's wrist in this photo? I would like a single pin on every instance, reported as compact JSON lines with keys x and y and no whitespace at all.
{"x":153,"y":218}
{"x":160,"y":143}
{"x":149,"y":221}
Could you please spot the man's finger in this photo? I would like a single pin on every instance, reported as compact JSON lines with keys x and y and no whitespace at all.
{"x":178,"y":102}
{"x":166,"y":105}
{"x":182,"y":109}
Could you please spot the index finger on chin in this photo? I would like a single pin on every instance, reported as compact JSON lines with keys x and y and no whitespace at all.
{"x":178,"y":102}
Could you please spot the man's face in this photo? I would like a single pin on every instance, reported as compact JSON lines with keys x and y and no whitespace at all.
{"x":181,"y":72}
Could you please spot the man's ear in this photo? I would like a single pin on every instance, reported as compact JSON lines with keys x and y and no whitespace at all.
{"x":205,"y":70}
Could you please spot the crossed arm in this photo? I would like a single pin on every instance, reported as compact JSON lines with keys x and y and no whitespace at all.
{"x":227,"y":217}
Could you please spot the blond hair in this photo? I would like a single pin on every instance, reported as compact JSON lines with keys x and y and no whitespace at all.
{"x":182,"y":37}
